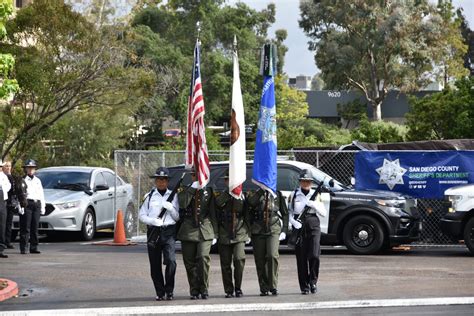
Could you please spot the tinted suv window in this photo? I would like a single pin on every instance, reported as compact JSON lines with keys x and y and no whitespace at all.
{"x":287,"y":179}
{"x":175,"y":175}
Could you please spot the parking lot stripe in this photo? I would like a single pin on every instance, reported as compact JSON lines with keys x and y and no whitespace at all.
{"x":251,"y":307}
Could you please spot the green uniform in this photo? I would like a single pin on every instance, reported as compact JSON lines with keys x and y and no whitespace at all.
{"x":268,"y":217}
{"x":232,"y":233}
{"x":196,"y":233}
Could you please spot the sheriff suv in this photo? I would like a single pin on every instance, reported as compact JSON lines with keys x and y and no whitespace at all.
{"x":459,"y":219}
{"x":365,"y":221}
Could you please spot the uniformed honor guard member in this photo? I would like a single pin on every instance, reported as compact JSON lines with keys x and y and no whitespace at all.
{"x":233,"y":234}
{"x":5,"y":186}
{"x":197,"y":233}
{"x":162,"y":250}
{"x":35,"y":207}
{"x":268,"y":216}
{"x":16,"y":202}
{"x":308,"y":230}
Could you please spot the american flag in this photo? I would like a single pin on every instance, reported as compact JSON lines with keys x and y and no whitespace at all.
{"x":196,"y":148}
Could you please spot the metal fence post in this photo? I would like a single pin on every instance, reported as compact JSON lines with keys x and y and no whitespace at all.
{"x":139,"y":190}
{"x":115,"y":188}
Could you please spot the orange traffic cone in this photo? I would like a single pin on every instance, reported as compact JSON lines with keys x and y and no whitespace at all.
{"x":119,"y":233}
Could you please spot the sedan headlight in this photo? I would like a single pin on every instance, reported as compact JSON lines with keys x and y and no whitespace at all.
{"x":454,"y":199}
{"x":68,"y":205}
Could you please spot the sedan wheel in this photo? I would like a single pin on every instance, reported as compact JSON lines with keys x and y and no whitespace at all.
{"x":88,"y":225}
{"x":130,"y":221}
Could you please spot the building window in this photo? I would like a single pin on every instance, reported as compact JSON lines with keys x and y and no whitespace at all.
{"x":19,"y":3}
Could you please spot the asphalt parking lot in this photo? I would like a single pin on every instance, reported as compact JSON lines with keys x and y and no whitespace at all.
{"x":74,"y":274}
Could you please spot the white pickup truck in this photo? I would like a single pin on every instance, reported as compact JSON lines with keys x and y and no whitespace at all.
{"x":459,"y":220}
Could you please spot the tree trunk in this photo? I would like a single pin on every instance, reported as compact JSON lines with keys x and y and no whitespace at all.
{"x":376,"y":111}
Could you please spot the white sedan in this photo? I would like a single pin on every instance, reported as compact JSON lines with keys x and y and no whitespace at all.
{"x":81,"y":199}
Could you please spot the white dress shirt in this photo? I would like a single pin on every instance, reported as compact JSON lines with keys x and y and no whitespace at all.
{"x":301,"y":200}
{"x":34,"y":191}
{"x":5,"y":185}
{"x":147,"y":214}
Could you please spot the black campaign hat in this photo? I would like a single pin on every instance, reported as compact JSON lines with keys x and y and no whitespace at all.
{"x":30,"y":163}
{"x":161,"y":172}
{"x":306,"y":175}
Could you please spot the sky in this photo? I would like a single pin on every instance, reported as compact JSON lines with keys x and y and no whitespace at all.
{"x":299,"y":60}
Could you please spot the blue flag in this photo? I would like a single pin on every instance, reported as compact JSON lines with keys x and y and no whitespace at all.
{"x":265,"y":160}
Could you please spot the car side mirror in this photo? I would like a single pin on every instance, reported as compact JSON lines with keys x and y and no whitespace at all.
{"x":331,"y":183}
{"x":353,"y":181}
{"x":101,"y":187}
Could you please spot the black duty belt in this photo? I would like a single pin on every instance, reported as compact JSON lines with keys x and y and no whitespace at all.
{"x":34,"y":201}
{"x":162,"y":227}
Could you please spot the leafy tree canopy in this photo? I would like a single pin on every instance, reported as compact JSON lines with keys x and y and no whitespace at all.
{"x":373,"y":46}
{"x":448,"y":114}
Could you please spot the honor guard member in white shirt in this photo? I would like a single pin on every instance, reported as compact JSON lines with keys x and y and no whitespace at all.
{"x":308,"y":230}
{"x":165,"y":228}
{"x":35,"y":207}
{"x":5,"y":186}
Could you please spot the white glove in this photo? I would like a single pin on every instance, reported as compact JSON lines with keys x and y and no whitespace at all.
{"x":21,"y":211}
{"x":297,"y":225}
{"x":248,"y":241}
{"x":157,"y":222}
{"x":43,"y":211}
{"x":167,"y":205}
{"x":312,"y":204}
{"x":214,"y":241}
{"x":282,"y":236}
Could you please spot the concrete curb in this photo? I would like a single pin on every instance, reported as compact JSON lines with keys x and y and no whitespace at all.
{"x":10,"y":291}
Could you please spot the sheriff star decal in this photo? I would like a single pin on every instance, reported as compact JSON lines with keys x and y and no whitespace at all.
{"x":391,"y":173}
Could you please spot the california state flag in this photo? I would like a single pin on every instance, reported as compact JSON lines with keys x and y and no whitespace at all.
{"x":237,"y":167}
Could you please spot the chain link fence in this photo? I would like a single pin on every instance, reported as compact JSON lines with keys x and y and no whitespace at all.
{"x":135,"y":167}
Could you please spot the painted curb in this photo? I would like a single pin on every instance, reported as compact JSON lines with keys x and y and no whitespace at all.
{"x":111,"y":243}
{"x":10,"y":291}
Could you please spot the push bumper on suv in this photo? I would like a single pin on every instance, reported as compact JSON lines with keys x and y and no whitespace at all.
{"x":451,"y":224}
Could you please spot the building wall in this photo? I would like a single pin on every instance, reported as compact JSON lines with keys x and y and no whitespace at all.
{"x":21,"y":3}
{"x":323,"y":104}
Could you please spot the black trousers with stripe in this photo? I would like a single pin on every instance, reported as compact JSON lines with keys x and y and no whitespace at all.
{"x":29,"y":223}
{"x":308,"y":252}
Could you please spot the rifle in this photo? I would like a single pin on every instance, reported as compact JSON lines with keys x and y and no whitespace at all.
{"x":306,"y":210}
{"x":154,"y":236}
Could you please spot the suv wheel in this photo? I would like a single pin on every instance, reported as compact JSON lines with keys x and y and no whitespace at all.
{"x":363,"y":235}
{"x":88,"y":225}
{"x":469,"y":235}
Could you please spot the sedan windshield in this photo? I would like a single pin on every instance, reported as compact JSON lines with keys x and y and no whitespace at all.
{"x":67,"y":180}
